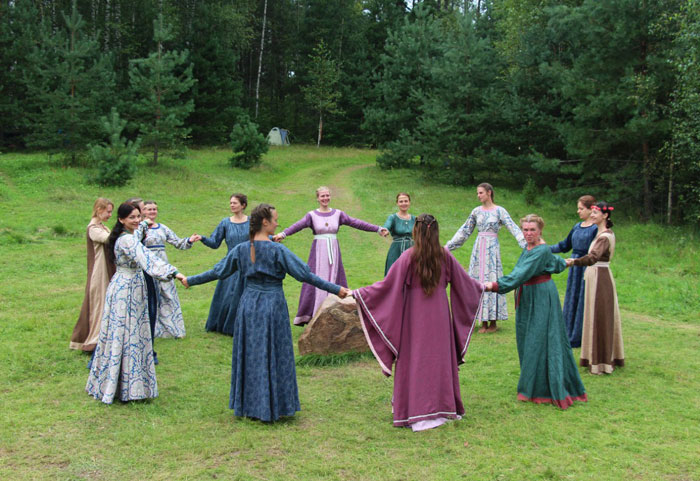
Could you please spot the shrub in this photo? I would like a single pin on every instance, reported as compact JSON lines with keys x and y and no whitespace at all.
{"x":116,"y":160}
{"x":530,"y":191}
{"x":248,"y":145}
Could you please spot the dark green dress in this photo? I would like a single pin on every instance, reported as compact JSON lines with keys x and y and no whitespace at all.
{"x":401,"y":231}
{"x":548,"y":372}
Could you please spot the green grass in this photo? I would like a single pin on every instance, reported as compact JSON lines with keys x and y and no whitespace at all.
{"x":642,"y":422}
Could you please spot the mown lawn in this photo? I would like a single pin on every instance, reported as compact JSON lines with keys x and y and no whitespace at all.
{"x":642,"y":422}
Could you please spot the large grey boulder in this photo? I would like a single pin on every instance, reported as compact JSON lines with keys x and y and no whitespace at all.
{"x":334,"y":329}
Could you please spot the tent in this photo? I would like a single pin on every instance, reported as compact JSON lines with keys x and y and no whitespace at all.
{"x":278,"y":136}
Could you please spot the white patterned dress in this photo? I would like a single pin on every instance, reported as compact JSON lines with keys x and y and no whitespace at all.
{"x":122,"y":366}
{"x":485,"y":264}
{"x":169,"y":322}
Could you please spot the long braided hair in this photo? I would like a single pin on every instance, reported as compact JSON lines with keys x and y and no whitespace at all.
{"x":427,"y":252}
{"x":260,"y":213}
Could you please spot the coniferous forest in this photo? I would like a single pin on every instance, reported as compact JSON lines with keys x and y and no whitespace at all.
{"x":566,"y":96}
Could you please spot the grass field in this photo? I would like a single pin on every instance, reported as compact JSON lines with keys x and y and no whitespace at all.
{"x":641,"y":423}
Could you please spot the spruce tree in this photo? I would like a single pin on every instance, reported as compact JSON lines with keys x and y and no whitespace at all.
{"x":158,"y":83}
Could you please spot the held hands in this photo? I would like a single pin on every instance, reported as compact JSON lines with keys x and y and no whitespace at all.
{"x":194,"y":238}
{"x":569,"y":262}
{"x":149,"y":222}
{"x":183,"y":279}
{"x":488,"y":286}
{"x":383,"y":232}
{"x":344,"y":292}
{"x":277,"y":238}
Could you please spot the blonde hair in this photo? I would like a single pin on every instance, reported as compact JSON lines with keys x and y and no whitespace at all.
{"x":321,"y":189}
{"x":533,"y":218}
{"x":100,"y":205}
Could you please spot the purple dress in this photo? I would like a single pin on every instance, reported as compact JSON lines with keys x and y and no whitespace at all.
{"x":425,"y":336}
{"x":324,"y":258}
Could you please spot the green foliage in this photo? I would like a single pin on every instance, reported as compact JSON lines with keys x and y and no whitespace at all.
{"x":530,"y":192}
{"x":158,"y":83}
{"x":115,"y":160}
{"x":322,"y":91}
{"x":248,"y":144}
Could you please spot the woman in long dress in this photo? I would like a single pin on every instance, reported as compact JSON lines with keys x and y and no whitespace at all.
{"x":411,"y":325}
{"x":99,"y":272}
{"x":485,"y":264}
{"x":548,"y":372}
{"x":400,"y":226}
{"x":324,"y":259}
{"x":169,"y":321}
{"x":233,"y":230}
{"x":578,"y":241}
{"x":601,"y":344}
{"x":263,"y":376}
{"x":122,"y":366}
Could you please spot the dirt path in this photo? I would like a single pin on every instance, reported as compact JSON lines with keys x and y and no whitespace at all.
{"x":342,"y":193}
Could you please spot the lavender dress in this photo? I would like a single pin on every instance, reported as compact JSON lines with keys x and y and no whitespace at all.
{"x":324,"y":258}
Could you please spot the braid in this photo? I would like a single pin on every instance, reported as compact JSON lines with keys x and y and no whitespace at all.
{"x":260,"y":213}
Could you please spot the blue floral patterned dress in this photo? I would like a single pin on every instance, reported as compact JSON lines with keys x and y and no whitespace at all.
{"x":122,"y":366}
{"x":263,"y":375}
{"x":485,"y":264}
{"x":169,"y":322}
{"x":222,"y":312}
{"x":578,"y":240}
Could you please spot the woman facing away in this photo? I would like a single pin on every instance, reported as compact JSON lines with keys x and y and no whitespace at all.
{"x":122,"y":365}
{"x":169,"y":321}
{"x":263,"y":375}
{"x":601,"y":343}
{"x":400,"y":226}
{"x":233,"y":230}
{"x":578,"y":241}
{"x":324,"y":259}
{"x":548,"y":372}
{"x":485,"y":264}
{"x":411,"y":326}
{"x":99,"y":271}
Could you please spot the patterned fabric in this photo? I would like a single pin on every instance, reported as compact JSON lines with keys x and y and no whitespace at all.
{"x":222,"y":312}
{"x":122,"y":366}
{"x":578,"y":241}
{"x":169,"y":322}
{"x":485,"y":264}
{"x":263,"y":375}
{"x":401,"y":231}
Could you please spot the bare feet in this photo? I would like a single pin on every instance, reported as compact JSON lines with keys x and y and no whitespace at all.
{"x":492,"y":327}
{"x":484,"y":327}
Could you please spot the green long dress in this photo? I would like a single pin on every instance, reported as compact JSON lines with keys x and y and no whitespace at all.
{"x":401,"y":231}
{"x":548,"y":372}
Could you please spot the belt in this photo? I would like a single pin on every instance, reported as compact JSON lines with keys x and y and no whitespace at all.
{"x":328,"y":238}
{"x":488,"y":234}
{"x":157,"y":246}
{"x":541,"y":279}
{"x":601,"y":264}
{"x":404,"y":240}
{"x":127,"y":270}
{"x":263,"y":286}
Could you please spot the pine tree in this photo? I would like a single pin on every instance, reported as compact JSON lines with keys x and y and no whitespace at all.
{"x":115,"y":160}
{"x":322,"y":92}
{"x":158,"y":83}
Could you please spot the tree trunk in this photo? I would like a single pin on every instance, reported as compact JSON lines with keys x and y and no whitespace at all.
{"x":262,"y":47}
{"x":320,"y":128}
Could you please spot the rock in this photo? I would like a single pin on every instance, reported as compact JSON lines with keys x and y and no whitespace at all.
{"x":334,"y":329}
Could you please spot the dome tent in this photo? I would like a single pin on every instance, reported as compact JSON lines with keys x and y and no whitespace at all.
{"x":278,"y":136}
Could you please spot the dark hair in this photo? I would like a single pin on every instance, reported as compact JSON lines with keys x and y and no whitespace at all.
{"x":427,"y":252}
{"x":242,"y":198}
{"x":260,"y":213}
{"x":606,"y":208}
{"x":402,"y":193}
{"x":587,"y":201}
{"x":122,"y":213}
{"x":489,"y":188}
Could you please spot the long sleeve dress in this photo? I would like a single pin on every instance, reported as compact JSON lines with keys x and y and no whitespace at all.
{"x":601,"y":343}
{"x":424,"y":338}
{"x":578,"y":241}
{"x":122,"y":366}
{"x":169,"y":321}
{"x":324,"y":259}
{"x":401,"y":231}
{"x":224,"y":303}
{"x":99,"y":272}
{"x":485,"y":264}
{"x":548,"y":372}
{"x":263,"y":375}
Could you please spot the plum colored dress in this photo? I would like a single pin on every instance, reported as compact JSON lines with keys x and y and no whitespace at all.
{"x":263,"y":375}
{"x":578,"y":241}
{"x":424,"y":338}
{"x":222,"y":312}
{"x":401,"y":231}
{"x":548,"y":372}
{"x":324,"y":259}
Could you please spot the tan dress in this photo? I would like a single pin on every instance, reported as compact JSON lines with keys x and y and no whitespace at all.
{"x":601,"y":343}
{"x":99,"y":272}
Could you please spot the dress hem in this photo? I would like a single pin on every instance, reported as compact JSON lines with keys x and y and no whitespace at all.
{"x":562,"y":403}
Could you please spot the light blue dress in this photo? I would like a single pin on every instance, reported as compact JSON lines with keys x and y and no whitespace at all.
{"x":122,"y":366}
{"x":263,"y":375}
{"x":222,"y":312}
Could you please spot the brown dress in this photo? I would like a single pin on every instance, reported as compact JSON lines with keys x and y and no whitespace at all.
{"x":601,"y":343}
{"x":99,"y":272}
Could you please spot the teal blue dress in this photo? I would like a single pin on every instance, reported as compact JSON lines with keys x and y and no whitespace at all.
{"x":263,"y":375}
{"x":548,"y":372}
{"x":401,"y":231}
